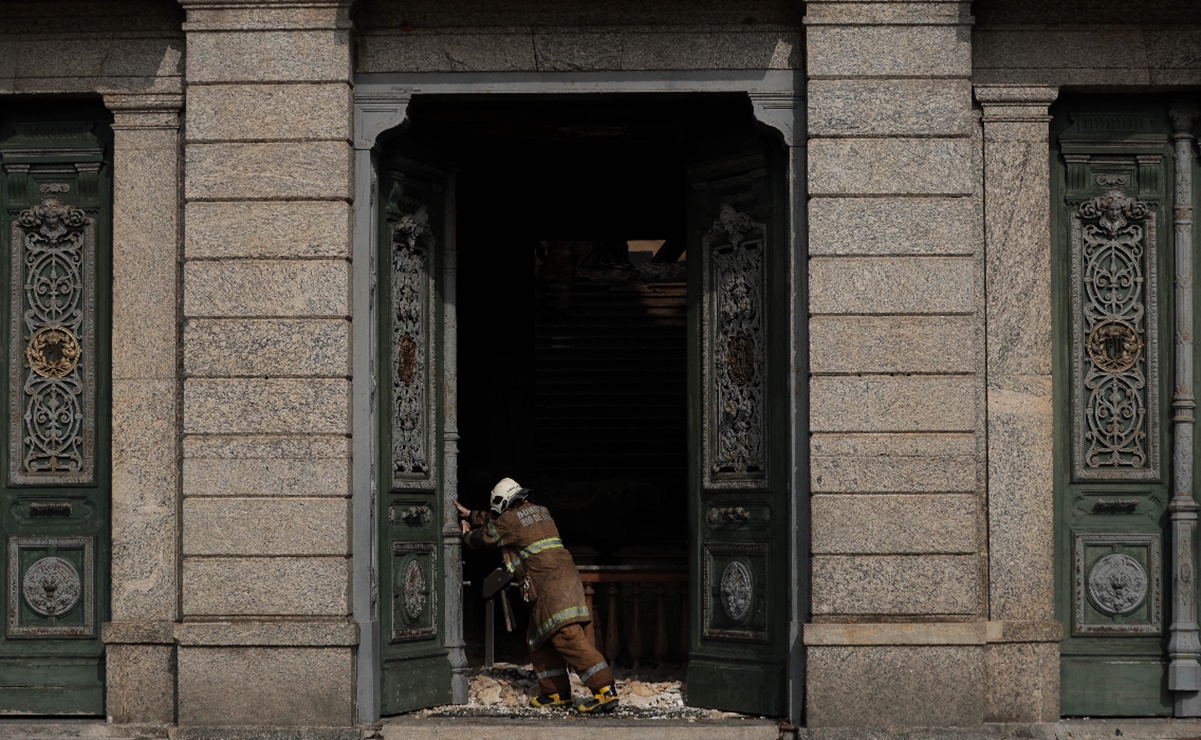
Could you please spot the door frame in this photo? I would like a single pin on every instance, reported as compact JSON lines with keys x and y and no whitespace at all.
{"x":380,"y":107}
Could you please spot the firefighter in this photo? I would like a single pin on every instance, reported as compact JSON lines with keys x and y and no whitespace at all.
{"x":534,"y":555}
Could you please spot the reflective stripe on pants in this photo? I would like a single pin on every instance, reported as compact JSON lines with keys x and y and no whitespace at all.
{"x":569,"y":646}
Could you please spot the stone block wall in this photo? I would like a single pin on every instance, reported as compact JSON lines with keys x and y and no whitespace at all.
{"x":576,"y":36}
{"x":1108,"y":46}
{"x":91,"y":47}
{"x":267,"y":637}
{"x":931,"y":582}
{"x":897,"y":418}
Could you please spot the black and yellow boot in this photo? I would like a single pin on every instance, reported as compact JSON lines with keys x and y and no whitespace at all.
{"x":549,"y":700}
{"x":603,"y":699}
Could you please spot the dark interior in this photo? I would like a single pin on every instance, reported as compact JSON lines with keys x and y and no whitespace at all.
{"x":572,"y":315}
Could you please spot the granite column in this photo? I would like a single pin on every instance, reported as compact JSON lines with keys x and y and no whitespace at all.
{"x":896,"y":387}
{"x":140,"y":669}
{"x":267,"y":637}
{"x":1023,"y":653}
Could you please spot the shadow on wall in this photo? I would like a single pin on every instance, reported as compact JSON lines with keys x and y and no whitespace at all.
{"x":131,"y":46}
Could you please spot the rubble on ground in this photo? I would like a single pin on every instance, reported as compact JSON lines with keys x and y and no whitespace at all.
{"x":505,"y":690}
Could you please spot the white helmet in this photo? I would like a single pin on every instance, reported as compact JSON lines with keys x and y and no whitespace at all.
{"x":505,"y":494}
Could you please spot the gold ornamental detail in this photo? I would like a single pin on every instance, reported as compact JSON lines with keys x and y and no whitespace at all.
{"x":1114,"y":346}
{"x":53,"y":351}
{"x":740,"y":358}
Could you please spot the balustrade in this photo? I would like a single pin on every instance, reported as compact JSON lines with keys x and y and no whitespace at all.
{"x":608,"y":631}
{"x":615,"y":595}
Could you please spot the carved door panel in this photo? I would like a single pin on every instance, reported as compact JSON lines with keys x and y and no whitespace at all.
{"x":1114,"y":363}
{"x":738,"y":237}
{"x":416,"y":540}
{"x":54,"y":488}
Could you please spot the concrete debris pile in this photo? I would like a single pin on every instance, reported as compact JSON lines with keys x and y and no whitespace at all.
{"x":505,"y":690}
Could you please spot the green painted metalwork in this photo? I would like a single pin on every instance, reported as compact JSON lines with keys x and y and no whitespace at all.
{"x":1112,"y":171}
{"x":412,"y":479}
{"x":737,"y":416}
{"x":55,"y":227}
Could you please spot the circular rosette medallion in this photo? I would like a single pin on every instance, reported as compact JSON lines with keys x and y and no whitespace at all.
{"x":1114,"y":346}
{"x":415,"y":589}
{"x":53,"y":351}
{"x":736,"y":591}
{"x":51,"y":587}
{"x":1117,"y":584}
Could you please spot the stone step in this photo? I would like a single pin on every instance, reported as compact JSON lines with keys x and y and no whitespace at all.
{"x":575,"y":727}
{"x":84,"y":729}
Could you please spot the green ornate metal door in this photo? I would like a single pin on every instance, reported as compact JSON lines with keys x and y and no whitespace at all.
{"x":1112,"y":226}
{"x":54,"y":502}
{"x":738,"y":237}
{"x":419,"y":537}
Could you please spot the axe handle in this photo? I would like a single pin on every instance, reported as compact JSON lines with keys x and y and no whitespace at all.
{"x":508,"y":610}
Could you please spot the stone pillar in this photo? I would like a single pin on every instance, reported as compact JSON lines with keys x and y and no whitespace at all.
{"x":267,"y":638}
{"x":140,"y":672}
{"x":1023,"y":651}
{"x":899,"y":600}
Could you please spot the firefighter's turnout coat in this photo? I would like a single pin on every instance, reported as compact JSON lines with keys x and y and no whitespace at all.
{"x":529,"y":543}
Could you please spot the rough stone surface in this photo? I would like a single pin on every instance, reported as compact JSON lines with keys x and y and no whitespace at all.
{"x":883,"y":403}
{"x":204,"y":16}
{"x":145,"y":250}
{"x":1022,"y":682}
{"x":267,"y":230}
{"x":261,"y":288}
{"x":893,"y":463}
{"x":889,"y":107}
{"x":269,"y":112}
{"x":1019,"y":396}
{"x":269,"y":56}
{"x":895,"y":686}
{"x":887,"y":285}
{"x":98,"y":62}
{"x":894,"y":226}
{"x":1113,"y":54}
{"x":530,"y":15}
{"x":1018,"y":260}
{"x":272,"y":586}
{"x":892,"y":344}
{"x":896,"y":585}
{"x":236,"y":347}
{"x":266,"y":466}
{"x":892,"y":166}
{"x":888,"y":51}
{"x":258,"y":526}
{"x":712,"y":50}
{"x":457,"y":52}
{"x":298,"y":170}
{"x":139,"y":684}
{"x":269,"y":447}
{"x":558,"y":727}
{"x":266,"y":686}
{"x":137,"y":633}
{"x":266,"y":477}
{"x":254,"y":633}
{"x":267,"y":406}
{"x":598,"y":49}
{"x":145,"y":479}
{"x":896,"y":633}
{"x":1021,"y":499}
{"x":891,"y":524}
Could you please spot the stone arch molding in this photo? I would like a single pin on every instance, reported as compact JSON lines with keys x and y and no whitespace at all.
{"x":381,"y":101}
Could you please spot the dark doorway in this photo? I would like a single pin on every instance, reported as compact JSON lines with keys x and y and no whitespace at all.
{"x":572,"y":306}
